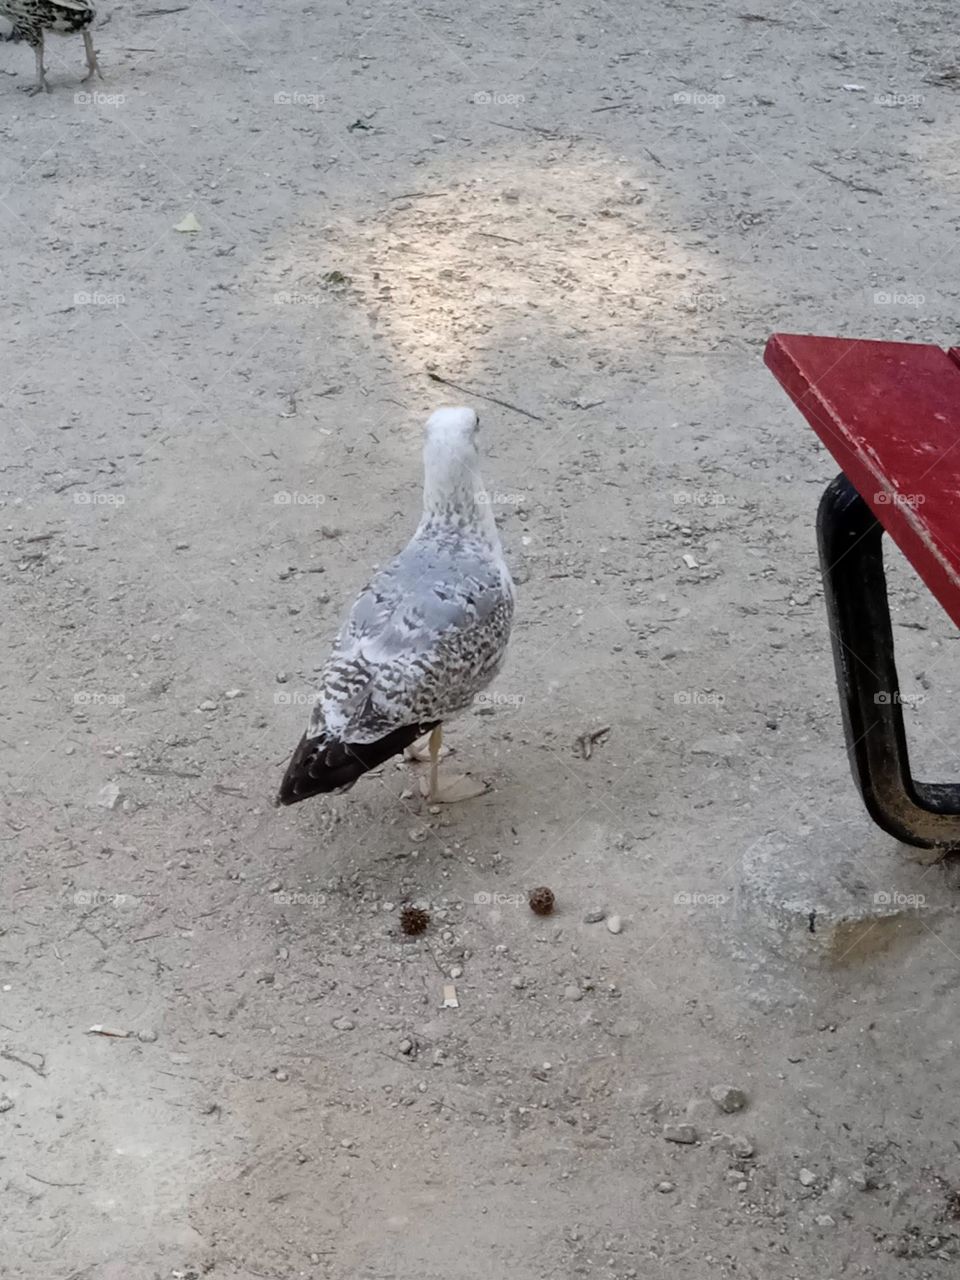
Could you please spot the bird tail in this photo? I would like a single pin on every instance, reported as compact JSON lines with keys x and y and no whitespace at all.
{"x":321,"y":764}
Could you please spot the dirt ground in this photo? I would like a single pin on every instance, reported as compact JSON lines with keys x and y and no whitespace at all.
{"x":597,"y":215}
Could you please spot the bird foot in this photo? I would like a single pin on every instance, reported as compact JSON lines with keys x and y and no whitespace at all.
{"x":459,"y":786}
{"x":31,"y":90}
{"x":420,"y":751}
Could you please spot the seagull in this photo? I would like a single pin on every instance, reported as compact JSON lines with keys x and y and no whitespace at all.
{"x":31,"y":18}
{"x":423,"y":638}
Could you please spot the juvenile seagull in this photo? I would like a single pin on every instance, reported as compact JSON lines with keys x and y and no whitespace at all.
{"x":423,"y":637}
{"x":31,"y":18}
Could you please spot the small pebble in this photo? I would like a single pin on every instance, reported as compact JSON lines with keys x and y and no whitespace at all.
{"x":108,"y":797}
{"x":517,"y":982}
{"x":233,"y":693}
{"x":594,"y":917}
{"x":666,"y":1187}
{"x":146,"y":1037}
{"x":735,"y":1143}
{"x":344,"y":1024}
{"x":6,"y":1102}
{"x":685,"y":1134}
{"x":406,"y":1046}
{"x":728,"y":1098}
{"x":456,"y":971}
{"x":614,"y":924}
{"x":207,"y":705}
{"x":572,"y":993}
{"x":824,"y":1220}
{"x":346,"y":1143}
{"x":281,"y":1076}
{"x":807,"y":1177}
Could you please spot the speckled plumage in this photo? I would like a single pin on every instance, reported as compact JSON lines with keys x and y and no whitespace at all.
{"x":32,"y":18}
{"x":424,"y":637}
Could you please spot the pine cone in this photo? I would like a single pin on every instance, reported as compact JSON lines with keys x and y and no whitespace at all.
{"x":542,"y":900}
{"x":414,"y":919}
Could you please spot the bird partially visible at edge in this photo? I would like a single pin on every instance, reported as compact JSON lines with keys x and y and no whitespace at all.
{"x":31,"y":18}
{"x":423,"y":638}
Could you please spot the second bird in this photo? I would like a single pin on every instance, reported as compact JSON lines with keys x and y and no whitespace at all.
{"x":32,"y":18}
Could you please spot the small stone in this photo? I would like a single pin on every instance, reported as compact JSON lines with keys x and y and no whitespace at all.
{"x":861,"y":1180}
{"x":6,"y":1103}
{"x":685,"y":1134}
{"x":281,"y":1076}
{"x":572,"y":993}
{"x":346,"y":1143}
{"x":344,"y":1024}
{"x":207,"y":705}
{"x":824,"y":1220}
{"x":233,"y":693}
{"x":517,"y":982}
{"x":147,"y":1036}
{"x":666,"y":1187}
{"x":108,"y":797}
{"x":594,"y":917}
{"x":274,"y":886}
{"x":406,"y":1046}
{"x":807,"y":1177}
{"x":456,"y":971}
{"x":614,"y":924}
{"x":728,"y":1098}
{"x":282,"y":677}
{"x":735,"y":1143}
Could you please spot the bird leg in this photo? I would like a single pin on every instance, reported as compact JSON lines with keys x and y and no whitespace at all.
{"x":419,"y":751}
{"x":93,"y":66}
{"x":41,"y":86}
{"x":457,"y":787}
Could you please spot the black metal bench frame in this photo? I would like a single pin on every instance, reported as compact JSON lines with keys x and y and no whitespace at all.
{"x":926,"y":814}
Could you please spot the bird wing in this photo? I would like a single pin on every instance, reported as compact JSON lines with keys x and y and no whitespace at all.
{"x":422,"y":638}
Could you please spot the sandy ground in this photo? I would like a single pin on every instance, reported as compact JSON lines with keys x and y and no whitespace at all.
{"x":210,"y":437}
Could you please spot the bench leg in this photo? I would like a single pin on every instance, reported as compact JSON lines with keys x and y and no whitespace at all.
{"x":855,"y":589}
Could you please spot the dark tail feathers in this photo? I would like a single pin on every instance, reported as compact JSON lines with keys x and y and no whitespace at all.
{"x":318,"y":766}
